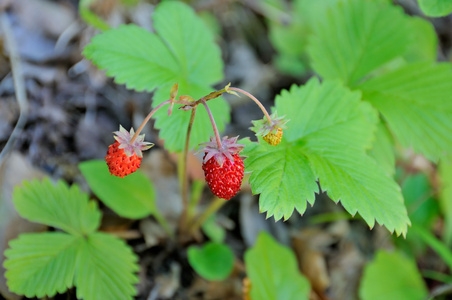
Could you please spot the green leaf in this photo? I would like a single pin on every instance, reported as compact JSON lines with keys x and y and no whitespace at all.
{"x":182,"y":50}
{"x":329,"y":131}
{"x":356,"y":37}
{"x":282,"y":176}
{"x":383,"y":149}
{"x":416,"y":102}
{"x":214,"y":232}
{"x":41,"y":264}
{"x":436,"y":8}
{"x":106,"y":269}
{"x":132,"y":196}
{"x":427,"y":237}
{"x":445,"y":173}
{"x":392,"y":276}
{"x":173,"y":129}
{"x":422,"y":208}
{"x":425,"y":43}
{"x":272,"y":270}
{"x":57,"y":205}
{"x":213,"y":261}
{"x":289,"y":29}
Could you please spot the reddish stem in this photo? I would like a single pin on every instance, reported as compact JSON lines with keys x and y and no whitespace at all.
{"x":148,"y":117}
{"x":215,"y":129}
{"x":255,"y":100}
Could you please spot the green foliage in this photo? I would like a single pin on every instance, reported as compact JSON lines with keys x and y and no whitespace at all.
{"x":416,"y":102}
{"x":356,"y":37}
{"x":425,"y":39}
{"x":427,"y":237}
{"x":392,"y":276}
{"x":328,"y":135}
{"x":106,"y":268}
{"x":445,"y":171}
{"x":423,"y":211}
{"x":213,"y":261}
{"x":273,"y":272}
{"x":90,"y":17}
{"x":40,"y":264}
{"x":417,"y":192}
{"x":182,"y":50}
{"x":215,"y":232}
{"x":132,"y":196}
{"x":383,"y":150}
{"x":59,"y":206}
{"x":436,"y":8}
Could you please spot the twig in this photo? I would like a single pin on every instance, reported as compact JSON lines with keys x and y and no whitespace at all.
{"x":19,"y":86}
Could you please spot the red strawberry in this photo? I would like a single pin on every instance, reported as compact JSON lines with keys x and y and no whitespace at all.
{"x":223,"y":168}
{"x":119,"y":163}
{"x":224,"y":181}
{"x":124,"y":156}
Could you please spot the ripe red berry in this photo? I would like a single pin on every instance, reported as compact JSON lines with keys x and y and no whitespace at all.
{"x":119,"y":164}
{"x":223,"y":167}
{"x":124,"y":156}
{"x":224,"y":181}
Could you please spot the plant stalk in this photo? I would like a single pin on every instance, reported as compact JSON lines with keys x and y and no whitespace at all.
{"x":212,"y":120}
{"x":146,"y":120}
{"x":255,"y":100}
{"x":213,"y":207}
{"x":184,"y":172}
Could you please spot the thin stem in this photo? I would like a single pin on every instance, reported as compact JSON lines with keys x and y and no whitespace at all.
{"x":215,"y":129}
{"x":184,"y":172}
{"x":213,"y":207}
{"x":148,"y":117}
{"x":255,"y":100}
{"x":162,"y":221}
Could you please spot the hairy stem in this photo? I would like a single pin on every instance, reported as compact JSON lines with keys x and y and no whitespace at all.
{"x":184,"y":173}
{"x":213,"y":207}
{"x":255,"y":100}
{"x":148,"y":117}
{"x":215,"y":129}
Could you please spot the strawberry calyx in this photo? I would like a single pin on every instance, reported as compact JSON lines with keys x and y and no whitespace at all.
{"x":262,"y":127}
{"x":124,"y":138}
{"x":229,"y":147}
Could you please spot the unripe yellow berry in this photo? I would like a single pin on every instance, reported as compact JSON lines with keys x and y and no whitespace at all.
{"x":274,"y":138}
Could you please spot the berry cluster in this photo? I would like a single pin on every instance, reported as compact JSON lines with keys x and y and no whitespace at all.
{"x":223,"y":167}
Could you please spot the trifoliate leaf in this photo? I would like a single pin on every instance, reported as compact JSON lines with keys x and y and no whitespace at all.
{"x":283,"y":177}
{"x":356,"y":37}
{"x":57,"y":205}
{"x":383,"y":149}
{"x":182,"y":50}
{"x":445,"y":173}
{"x":392,"y":276}
{"x":106,"y":269}
{"x":132,"y":196}
{"x":41,"y":264}
{"x":272,"y":270}
{"x":436,"y":8}
{"x":213,"y":261}
{"x":416,"y":102}
{"x":327,"y":139}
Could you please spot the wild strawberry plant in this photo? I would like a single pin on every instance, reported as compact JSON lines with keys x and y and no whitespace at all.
{"x":337,"y":133}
